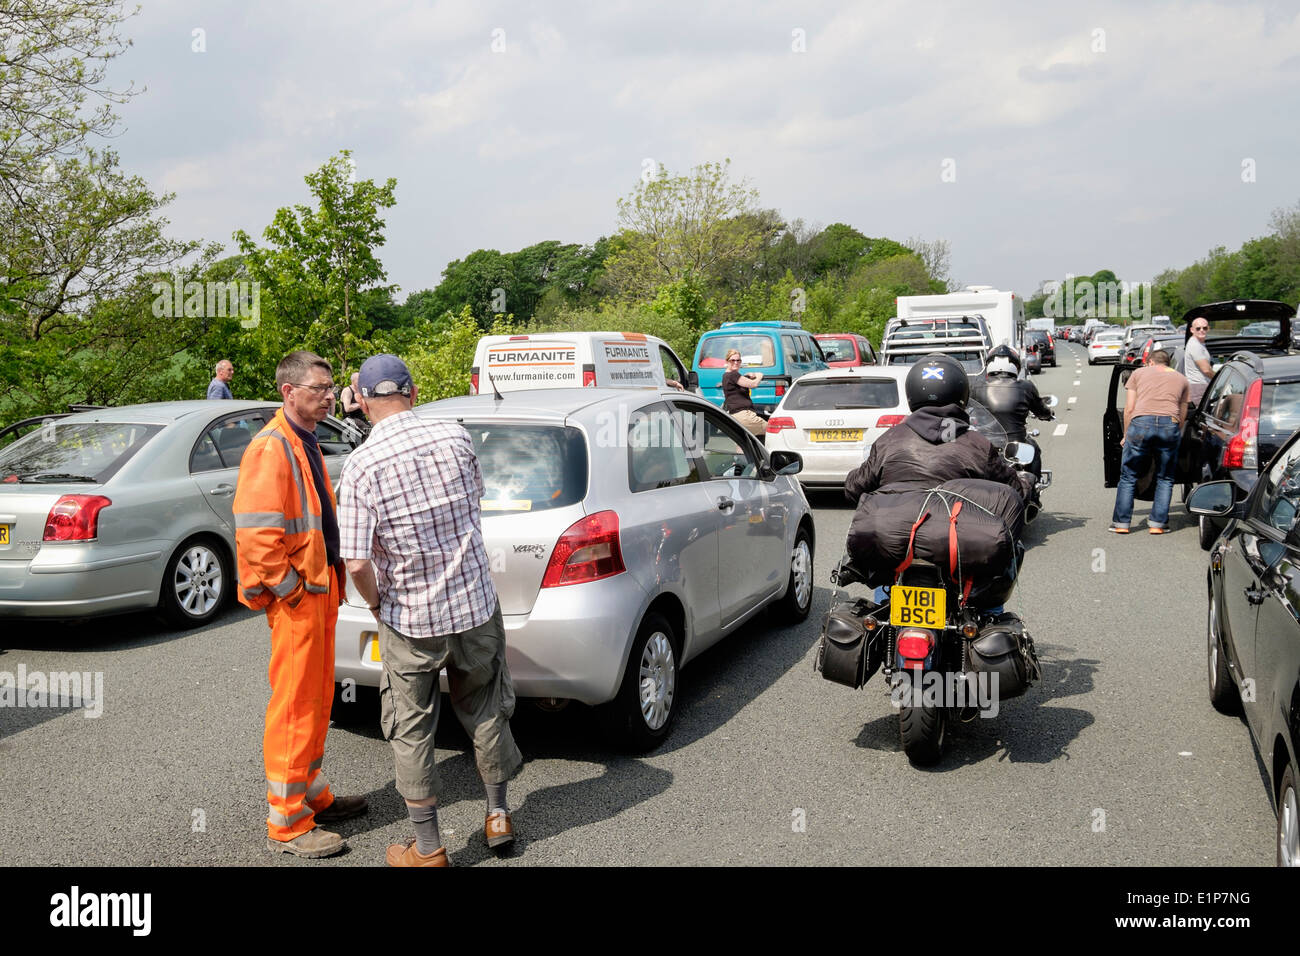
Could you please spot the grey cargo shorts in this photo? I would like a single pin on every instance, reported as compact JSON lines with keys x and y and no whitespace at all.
{"x":482,"y":697}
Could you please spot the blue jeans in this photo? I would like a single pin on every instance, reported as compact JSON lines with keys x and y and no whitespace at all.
{"x":1149,"y":437}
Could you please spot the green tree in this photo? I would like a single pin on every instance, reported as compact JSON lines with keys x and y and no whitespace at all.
{"x":320,"y":266}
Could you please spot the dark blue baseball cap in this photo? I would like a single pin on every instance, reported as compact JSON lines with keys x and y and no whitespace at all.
{"x":383,"y":375}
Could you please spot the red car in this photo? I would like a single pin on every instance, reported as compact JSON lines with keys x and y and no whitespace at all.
{"x":846,"y":350}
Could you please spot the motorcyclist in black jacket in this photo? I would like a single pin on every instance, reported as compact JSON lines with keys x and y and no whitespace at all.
{"x":1011,"y":399}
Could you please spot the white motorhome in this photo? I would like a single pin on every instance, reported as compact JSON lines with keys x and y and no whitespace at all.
{"x":1003,"y":312}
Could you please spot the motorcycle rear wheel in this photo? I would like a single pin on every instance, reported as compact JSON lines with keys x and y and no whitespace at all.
{"x":923,"y":730}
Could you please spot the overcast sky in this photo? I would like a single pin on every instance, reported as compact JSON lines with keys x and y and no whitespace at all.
{"x":1089,"y":136}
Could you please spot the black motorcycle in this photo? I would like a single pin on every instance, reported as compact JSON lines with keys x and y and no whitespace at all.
{"x":943,"y":657}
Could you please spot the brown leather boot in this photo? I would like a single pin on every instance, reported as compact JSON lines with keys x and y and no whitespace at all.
{"x":405,"y":854}
{"x":498,"y":829}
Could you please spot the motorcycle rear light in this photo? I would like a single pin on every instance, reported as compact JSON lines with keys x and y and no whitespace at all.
{"x":75,"y":518}
{"x":1243,"y":449}
{"x":775,"y":425}
{"x":889,"y":421}
{"x":914,"y":645}
{"x":588,"y":551}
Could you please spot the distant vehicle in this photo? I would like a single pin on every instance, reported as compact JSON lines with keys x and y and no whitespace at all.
{"x":1105,"y":346}
{"x":511,"y":363}
{"x":782,"y":351}
{"x":1040,"y":340}
{"x":1003,"y":312}
{"x":846,"y":350}
{"x":131,"y":508}
{"x":641,"y":527}
{"x":832,"y":418}
{"x":1042,"y":325}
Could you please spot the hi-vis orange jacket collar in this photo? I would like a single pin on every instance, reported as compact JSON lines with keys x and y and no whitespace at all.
{"x":279,"y":536}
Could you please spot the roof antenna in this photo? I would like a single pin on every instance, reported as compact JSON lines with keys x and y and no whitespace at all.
{"x":496,"y":393}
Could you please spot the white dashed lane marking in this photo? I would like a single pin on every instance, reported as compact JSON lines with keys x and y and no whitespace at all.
{"x":1072,"y":400}
{"x":1060,"y":430}
{"x":1076,"y":381}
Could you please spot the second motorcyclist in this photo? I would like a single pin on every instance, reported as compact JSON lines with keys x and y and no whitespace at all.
{"x":1011,"y":399}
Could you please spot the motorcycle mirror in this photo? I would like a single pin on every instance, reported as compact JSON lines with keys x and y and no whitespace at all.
{"x":1035,"y":433}
{"x":1021,"y":453}
{"x":1051,"y":401}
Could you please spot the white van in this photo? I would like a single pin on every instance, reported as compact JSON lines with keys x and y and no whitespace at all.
{"x":512,"y":363}
{"x":1003,"y":312}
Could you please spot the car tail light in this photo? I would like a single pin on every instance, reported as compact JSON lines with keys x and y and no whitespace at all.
{"x":1146,"y":353}
{"x":75,"y":518}
{"x":473,"y":383}
{"x":915,"y":645}
{"x":779,"y":390}
{"x":518,"y":338}
{"x":1243,"y":449}
{"x":587,"y":551}
{"x":588,"y":378}
{"x":775,"y":425}
{"x":889,"y":421}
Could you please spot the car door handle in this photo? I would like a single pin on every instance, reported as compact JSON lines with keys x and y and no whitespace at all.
{"x":1254,"y":596}
{"x":725,"y":503}
{"x":222,"y":490}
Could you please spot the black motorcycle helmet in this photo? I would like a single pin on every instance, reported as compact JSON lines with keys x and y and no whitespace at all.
{"x":936,"y":379}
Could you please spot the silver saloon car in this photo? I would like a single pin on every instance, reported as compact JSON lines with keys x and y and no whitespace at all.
{"x":125,"y":509}
{"x":626,"y":533}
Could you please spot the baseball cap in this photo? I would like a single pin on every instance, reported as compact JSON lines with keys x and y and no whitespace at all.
{"x":383,"y":375}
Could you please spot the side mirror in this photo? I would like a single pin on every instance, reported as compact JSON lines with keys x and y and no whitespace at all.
{"x":1022,"y":453}
{"x":787,"y":462}
{"x":1217,"y":499}
{"x":693,"y":381}
{"x":1051,"y":401}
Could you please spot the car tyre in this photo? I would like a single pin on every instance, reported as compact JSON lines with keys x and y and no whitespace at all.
{"x":1223,"y":691}
{"x":195,"y":584}
{"x":1288,"y":820}
{"x":796,"y":604}
{"x":1206,"y":532}
{"x":640,"y":717}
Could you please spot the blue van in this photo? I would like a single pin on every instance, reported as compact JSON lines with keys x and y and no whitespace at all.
{"x":782,"y":351}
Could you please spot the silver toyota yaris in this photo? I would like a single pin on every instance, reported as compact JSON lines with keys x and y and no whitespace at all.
{"x":627,"y":531}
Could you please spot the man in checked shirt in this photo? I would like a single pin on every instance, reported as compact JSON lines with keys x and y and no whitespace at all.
{"x":409,"y":502}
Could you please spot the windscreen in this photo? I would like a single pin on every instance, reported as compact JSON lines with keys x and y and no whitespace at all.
{"x":90,"y":452}
{"x":529,"y":467}
{"x":825,"y":394}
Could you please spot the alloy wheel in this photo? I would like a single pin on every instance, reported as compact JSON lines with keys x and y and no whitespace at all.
{"x":1288,"y":829}
{"x":198,"y":581}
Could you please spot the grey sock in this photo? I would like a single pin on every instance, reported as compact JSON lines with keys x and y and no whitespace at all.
{"x":496,"y":798}
{"x":427,"y":838}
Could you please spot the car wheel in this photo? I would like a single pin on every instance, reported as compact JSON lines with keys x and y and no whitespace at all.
{"x":1223,"y":692}
{"x":1091,"y":362}
{"x":1207,"y":532}
{"x":639,"y":718}
{"x":195,"y":583}
{"x":1288,"y":821}
{"x":798,"y":592}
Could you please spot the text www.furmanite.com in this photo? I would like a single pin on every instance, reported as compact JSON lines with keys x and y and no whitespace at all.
{"x":1203,"y":923}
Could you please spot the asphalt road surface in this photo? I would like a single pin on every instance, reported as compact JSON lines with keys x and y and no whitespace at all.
{"x":1115,"y":758}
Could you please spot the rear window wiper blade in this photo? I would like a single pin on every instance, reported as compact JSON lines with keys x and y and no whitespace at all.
{"x":56,"y":476}
{"x":858,"y":406}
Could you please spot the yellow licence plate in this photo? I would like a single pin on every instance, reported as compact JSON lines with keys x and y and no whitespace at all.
{"x":917,"y":607}
{"x":4,"y":534}
{"x":835,"y":434}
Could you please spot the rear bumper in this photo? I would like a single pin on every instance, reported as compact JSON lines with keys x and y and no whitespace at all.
{"x":76,"y":582}
{"x":572,"y":645}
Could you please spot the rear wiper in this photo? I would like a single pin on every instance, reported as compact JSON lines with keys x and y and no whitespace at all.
{"x":856,"y":406}
{"x":55,"y":476}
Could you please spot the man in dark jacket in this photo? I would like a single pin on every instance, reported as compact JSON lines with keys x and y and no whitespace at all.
{"x":1011,"y":399}
{"x":935,"y":443}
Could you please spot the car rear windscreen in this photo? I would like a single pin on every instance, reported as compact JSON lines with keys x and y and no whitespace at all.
{"x":833,"y":393}
{"x":529,"y":467}
{"x":1279,"y":412}
{"x":74,"y":451}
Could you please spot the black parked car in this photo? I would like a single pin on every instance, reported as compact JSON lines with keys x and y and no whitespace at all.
{"x":1251,"y":407}
{"x":1253,"y":638}
{"x":1040,"y":341}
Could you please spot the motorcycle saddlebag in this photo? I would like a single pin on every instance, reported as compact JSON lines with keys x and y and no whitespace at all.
{"x":848,"y":653}
{"x":1005,"y":649}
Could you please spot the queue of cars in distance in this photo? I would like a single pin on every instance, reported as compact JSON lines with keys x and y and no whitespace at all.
{"x":832,"y":418}
{"x":125,"y":509}
{"x":627,"y":531}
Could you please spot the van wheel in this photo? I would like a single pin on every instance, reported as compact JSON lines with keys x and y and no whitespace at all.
{"x":195,"y":584}
{"x":639,"y":718}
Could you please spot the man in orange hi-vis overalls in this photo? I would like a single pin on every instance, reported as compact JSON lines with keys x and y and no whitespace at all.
{"x":287,"y":538}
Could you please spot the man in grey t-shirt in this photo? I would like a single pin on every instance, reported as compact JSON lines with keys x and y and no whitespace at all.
{"x":1196,"y":359}
{"x":219,"y":387}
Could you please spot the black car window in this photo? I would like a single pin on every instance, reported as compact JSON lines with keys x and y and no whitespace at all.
{"x":720,"y":444}
{"x":656,"y":451}
{"x":1279,"y":499}
{"x":673,"y":370}
{"x":1230,"y":392}
{"x":331,"y":439}
{"x":228,"y":437}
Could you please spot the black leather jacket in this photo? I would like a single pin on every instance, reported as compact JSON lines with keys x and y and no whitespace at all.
{"x":932,"y":445}
{"x":1011,"y":401}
